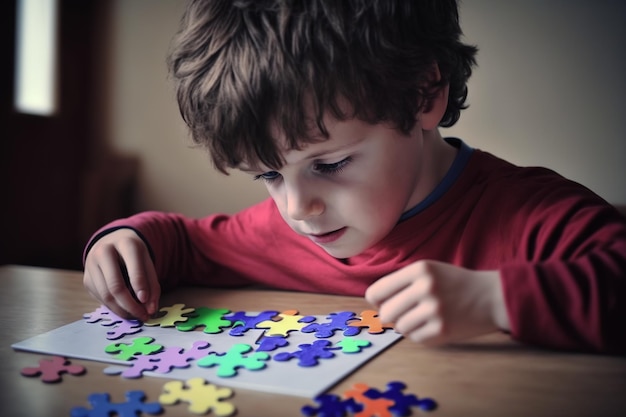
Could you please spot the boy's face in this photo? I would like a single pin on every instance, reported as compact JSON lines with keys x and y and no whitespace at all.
{"x":348,"y":192}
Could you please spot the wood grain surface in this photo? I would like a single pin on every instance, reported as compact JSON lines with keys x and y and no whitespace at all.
{"x":486,"y":376}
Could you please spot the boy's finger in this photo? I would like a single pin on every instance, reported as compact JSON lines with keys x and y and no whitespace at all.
{"x":397,"y":305}
{"x":97,"y":287}
{"x":152,"y":303}
{"x":388,"y":286}
{"x":138,"y":276}
{"x":117,"y":289}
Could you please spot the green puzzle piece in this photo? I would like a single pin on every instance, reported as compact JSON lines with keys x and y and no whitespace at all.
{"x":139,"y":346}
{"x":350,"y":345}
{"x":210,"y":318}
{"x":230,"y":361}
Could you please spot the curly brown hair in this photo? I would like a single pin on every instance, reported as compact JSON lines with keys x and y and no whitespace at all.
{"x":245,"y":67}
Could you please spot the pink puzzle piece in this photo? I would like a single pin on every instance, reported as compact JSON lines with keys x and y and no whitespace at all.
{"x":162,"y":362}
{"x":51,"y":369}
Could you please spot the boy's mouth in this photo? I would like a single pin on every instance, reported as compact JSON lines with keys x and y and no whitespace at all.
{"x":328,"y":237}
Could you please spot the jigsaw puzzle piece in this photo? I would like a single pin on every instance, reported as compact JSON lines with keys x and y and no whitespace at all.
{"x":201,"y":395}
{"x":369,"y":319}
{"x":125,"y":328}
{"x":209,"y":318}
{"x":172,"y":315}
{"x":379,"y":407}
{"x":285,"y":322}
{"x":50,"y":369}
{"x":138,"y":346}
{"x":120,"y":326}
{"x":161,"y":362}
{"x":402,"y":402}
{"x":243,"y":322}
{"x":309,"y":353}
{"x":103,"y":407}
{"x":331,"y":406}
{"x":352,"y":345}
{"x":270,"y":343}
{"x":229,"y":362}
{"x":102,"y":313}
{"x":336,"y":322}
{"x":106,"y":317}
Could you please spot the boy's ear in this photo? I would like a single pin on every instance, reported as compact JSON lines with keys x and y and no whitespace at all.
{"x":435,"y":108}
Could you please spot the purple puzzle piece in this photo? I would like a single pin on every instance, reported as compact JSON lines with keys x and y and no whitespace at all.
{"x":120,"y":326}
{"x":125,"y":328}
{"x":103,"y":407}
{"x":331,"y":405}
{"x":102,"y":313}
{"x":269,"y":343}
{"x":308,"y":354}
{"x":243,"y":322}
{"x":162,"y":362}
{"x":402,"y":402}
{"x":337,"y":321}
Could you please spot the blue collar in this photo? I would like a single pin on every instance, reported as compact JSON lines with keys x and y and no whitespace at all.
{"x":457,"y":167}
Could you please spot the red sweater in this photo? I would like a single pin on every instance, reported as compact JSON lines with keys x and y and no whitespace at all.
{"x":560,"y":250}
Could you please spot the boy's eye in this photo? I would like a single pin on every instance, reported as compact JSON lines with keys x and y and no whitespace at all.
{"x":334,"y":167}
{"x":268,"y":176}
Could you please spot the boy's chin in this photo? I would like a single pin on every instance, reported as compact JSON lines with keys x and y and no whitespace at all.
{"x":341,"y":253}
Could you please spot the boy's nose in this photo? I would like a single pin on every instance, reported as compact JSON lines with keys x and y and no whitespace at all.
{"x":303,"y":204}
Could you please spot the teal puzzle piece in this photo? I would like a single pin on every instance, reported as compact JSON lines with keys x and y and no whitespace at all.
{"x":234,"y":359}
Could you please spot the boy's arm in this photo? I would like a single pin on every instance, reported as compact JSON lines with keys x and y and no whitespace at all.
{"x":562,"y":284}
{"x":128,"y":261}
{"x":570,"y":290}
{"x":182,"y":249}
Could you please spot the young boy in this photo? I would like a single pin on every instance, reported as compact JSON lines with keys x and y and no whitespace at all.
{"x":335,"y":106}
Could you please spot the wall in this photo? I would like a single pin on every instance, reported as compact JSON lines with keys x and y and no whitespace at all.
{"x":550,"y":87}
{"x":548,"y":91}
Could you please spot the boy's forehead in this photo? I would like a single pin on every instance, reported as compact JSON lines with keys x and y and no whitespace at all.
{"x":322,"y":135}
{"x":342,"y":136}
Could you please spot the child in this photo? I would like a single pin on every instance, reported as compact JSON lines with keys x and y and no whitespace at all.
{"x":335,"y":106}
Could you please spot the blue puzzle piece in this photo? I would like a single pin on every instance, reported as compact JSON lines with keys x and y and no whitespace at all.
{"x":270,"y":343}
{"x":243,"y":322}
{"x":402,"y":402}
{"x":337,"y":321}
{"x":331,"y":406}
{"x":103,"y":407}
{"x":308,"y":354}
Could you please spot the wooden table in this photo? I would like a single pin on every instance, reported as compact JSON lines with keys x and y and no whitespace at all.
{"x":487,"y":376}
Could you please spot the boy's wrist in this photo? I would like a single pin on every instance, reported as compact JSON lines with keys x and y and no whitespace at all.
{"x":499,"y":312}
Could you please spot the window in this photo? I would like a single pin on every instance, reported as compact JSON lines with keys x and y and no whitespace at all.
{"x":36,"y":56}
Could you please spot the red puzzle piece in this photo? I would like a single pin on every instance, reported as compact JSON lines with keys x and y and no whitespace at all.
{"x":51,"y":369}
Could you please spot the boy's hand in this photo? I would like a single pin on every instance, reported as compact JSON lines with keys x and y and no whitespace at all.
{"x":135,"y":295}
{"x":436,"y":303}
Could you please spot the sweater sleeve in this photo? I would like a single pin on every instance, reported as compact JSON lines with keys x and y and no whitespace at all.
{"x":565,"y":287}
{"x":199,"y":251}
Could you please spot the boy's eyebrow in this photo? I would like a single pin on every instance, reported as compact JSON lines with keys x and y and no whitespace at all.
{"x":245,"y":168}
{"x":337,"y":149}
